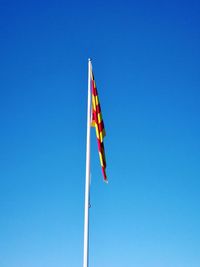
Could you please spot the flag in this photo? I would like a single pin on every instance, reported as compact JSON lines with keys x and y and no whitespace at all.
{"x":97,"y":122}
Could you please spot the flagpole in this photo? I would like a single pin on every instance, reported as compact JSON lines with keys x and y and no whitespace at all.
{"x":87,"y":177}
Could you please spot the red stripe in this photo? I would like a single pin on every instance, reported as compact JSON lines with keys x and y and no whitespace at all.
{"x":101,"y":126}
{"x":98,"y":108}
{"x":104,"y":174}
{"x":95,"y":117}
{"x":103,"y":155}
{"x":94,"y":89}
{"x":102,"y":151}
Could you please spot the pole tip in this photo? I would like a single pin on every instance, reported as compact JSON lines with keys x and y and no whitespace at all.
{"x":89,"y":59}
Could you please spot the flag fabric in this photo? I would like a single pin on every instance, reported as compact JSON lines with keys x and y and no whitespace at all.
{"x":97,"y":122}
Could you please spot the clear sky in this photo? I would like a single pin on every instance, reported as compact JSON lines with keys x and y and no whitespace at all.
{"x":146,"y":61}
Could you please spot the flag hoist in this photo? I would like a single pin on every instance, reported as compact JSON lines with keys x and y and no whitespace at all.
{"x":94,"y":118}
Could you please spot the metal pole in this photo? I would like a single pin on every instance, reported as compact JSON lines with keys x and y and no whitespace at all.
{"x":87,"y":178}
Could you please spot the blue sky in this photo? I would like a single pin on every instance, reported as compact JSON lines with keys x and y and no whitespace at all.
{"x":146,"y":60}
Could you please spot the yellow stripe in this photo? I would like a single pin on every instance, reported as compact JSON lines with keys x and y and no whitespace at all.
{"x":97,"y":130}
{"x":93,"y":103}
{"x":96,"y":100}
{"x":101,"y":137}
{"x":101,"y":159}
{"x":99,"y":117}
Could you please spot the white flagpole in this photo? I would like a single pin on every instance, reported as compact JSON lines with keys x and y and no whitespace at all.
{"x":87,"y":178}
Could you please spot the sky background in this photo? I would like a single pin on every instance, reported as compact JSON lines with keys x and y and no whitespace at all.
{"x":146,"y":61}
